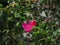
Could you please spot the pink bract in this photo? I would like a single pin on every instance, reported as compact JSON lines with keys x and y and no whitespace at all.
{"x":33,"y":22}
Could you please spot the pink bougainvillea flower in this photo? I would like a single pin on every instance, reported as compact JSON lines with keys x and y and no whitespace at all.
{"x":28,"y":26}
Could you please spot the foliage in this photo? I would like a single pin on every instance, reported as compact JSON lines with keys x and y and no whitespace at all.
{"x":15,"y":12}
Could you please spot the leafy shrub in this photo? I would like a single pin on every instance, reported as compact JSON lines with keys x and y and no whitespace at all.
{"x":14,"y":12}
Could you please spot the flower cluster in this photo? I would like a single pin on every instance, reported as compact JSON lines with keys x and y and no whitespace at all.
{"x":28,"y":25}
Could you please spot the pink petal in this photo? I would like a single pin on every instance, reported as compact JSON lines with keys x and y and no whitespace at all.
{"x":24,"y":25}
{"x":28,"y":28}
{"x":33,"y":22}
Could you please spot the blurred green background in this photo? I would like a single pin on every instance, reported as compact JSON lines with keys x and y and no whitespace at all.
{"x":14,"y":12}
